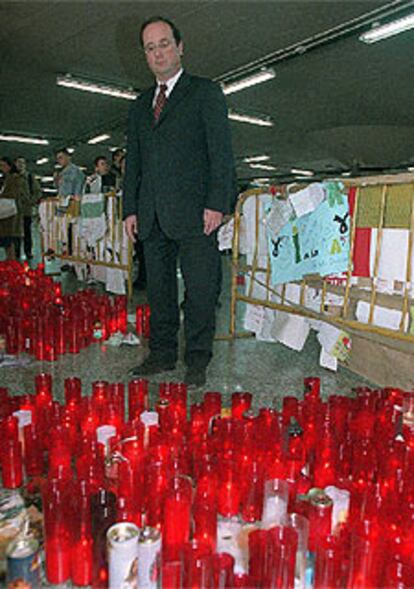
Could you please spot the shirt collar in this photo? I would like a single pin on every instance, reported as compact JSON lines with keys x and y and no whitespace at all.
{"x":171,"y":82}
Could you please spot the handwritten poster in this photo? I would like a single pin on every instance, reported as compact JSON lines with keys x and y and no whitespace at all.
{"x":316,"y":243}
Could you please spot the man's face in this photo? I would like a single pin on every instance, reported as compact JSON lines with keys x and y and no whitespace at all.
{"x":63,"y":159}
{"x":102,"y":167}
{"x":162,"y":53}
{"x":4,"y":167}
{"x":20,"y":164}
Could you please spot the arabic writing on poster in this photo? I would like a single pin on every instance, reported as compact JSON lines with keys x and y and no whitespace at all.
{"x":316,"y":243}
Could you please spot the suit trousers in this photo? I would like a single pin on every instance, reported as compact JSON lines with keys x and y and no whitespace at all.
{"x":199,"y":261}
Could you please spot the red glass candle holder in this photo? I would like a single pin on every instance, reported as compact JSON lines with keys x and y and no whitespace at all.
{"x":205,"y":523}
{"x":73,"y":390}
{"x":281,"y":553}
{"x":328,"y":564}
{"x":81,"y":555}
{"x":223,"y":571}
{"x":229,"y":489}
{"x":33,"y":451}
{"x":12,"y":464}
{"x":137,"y":397}
{"x":240,"y":403}
{"x":58,"y":521}
{"x":320,"y":519}
{"x":172,"y":574}
{"x":198,"y":570}
{"x":103,"y":513}
{"x":177,"y":508}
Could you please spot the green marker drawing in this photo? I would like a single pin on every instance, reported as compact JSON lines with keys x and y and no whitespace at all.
{"x":335,"y":247}
{"x":295,"y":235}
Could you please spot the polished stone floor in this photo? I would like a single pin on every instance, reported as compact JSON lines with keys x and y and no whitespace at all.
{"x":268,"y":370}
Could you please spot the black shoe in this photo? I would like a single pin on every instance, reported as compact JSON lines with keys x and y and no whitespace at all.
{"x":195,"y":376}
{"x":151,"y":366}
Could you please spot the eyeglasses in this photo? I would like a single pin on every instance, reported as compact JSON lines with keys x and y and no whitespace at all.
{"x":151,"y":47}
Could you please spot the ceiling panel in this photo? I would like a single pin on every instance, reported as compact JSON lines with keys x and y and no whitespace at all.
{"x":333,"y":106}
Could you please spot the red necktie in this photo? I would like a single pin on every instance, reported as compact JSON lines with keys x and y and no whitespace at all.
{"x":160,"y":101}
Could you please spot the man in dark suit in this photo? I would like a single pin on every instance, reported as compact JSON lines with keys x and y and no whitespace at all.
{"x":178,"y":185}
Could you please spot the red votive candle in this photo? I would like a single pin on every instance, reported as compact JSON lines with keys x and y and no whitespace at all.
{"x":328,"y":564}
{"x":103,"y":510}
{"x":81,"y":556}
{"x":212,"y":403}
{"x":240,"y":403}
{"x":58,"y":520}
{"x":320,"y":520}
{"x":12,"y":464}
{"x":172,"y":574}
{"x":205,"y":523}
{"x":229,"y":489}
{"x":43,"y":386}
{"x":223,"y":571}
{"x":33,"y":452}
{"x":73,"y":390}
{"x":137,"y":397}
{"x":281,"y":552}
{"x":198,"y":571}
{"x":177,"y":508}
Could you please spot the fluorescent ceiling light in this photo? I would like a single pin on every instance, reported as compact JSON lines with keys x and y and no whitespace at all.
{"x":262,"y":166}
{"x":241,"y":118}
{"x":42,"y":160}
{"x":71,"y":150}
{"x":346,"y":174}
{"x":261,"y":76}
{"x":261,"y":180}
{"x":47,"y":179}
{"x":390,"y":29}
{"x":24,"y":139}
{"x":50,"y":190}
{"x":99,"y":139}
{"x":69,"y":81}
{"x":410,"y":168}
{"x":256,"y":158}
{"x":301,"y":172}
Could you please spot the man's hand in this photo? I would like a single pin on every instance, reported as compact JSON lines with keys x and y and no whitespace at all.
{"x":212,"y":220}
{"x":131,"y":227}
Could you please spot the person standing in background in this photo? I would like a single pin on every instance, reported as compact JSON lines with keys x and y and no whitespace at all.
{"x":178,"y":186}
{"x":116,"y":167}
{"x":69,"y":181}
{"x":11,"y":229}
{"x":32,"y":195}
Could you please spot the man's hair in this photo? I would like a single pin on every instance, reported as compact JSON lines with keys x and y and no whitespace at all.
{"x":154,"y":19}
{"x":98,"y":159}
{"x":62,"y":150}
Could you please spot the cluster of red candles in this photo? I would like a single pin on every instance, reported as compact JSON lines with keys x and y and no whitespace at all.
{"x":37,"y":319}
{"x":196,"y":474}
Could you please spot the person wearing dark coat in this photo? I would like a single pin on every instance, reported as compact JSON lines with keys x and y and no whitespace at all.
{"x":11,"y":229}
{"x":178,"y":186}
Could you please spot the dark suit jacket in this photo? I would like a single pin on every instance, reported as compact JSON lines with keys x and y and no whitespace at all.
{"x":181,"y":165}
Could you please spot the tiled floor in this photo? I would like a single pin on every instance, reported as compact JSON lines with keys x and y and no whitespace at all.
{"x":267,"y":370}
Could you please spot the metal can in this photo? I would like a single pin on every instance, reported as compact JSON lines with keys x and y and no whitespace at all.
{"x":23,"y":563}
{"x":149,"y":559}
{"x":122,"y":544}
